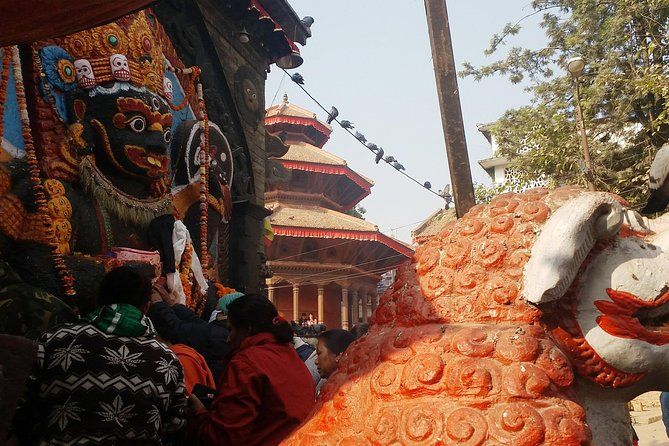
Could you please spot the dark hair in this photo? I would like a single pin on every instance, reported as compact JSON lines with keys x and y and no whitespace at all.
{"x":360,"y":329}
{"x":125,"y":285}
{"x":256,"y":312}
{"x":337,"y":340}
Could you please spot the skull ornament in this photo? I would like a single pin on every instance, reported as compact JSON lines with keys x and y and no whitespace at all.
{"x":85,"y":76}
{"x":119,"y":67}
{"x":168,"y":88}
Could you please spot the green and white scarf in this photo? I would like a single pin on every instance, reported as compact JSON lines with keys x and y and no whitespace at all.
{"x":121,"y":320}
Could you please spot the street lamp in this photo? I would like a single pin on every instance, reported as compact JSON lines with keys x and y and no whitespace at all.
{"x":575,"y":66}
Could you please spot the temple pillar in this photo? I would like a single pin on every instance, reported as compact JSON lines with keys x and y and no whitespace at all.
{"x":296,"y":302}
{"x":321,"y":305}
{"x":355,"y":309}
{"x":365,"y":307}
{"x":375,"y":302}
{"x":270,"y":294}
{"x":344,"y":308}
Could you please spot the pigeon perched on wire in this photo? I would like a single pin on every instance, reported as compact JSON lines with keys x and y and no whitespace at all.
{"x":658,"y":182}
{"x":389,"y":159}
{"x":397,"y":165}
{"x":307,"y":21}
{"x":379,"y":155}
{"x":332,"y":115}
{"x":373,"y":147}
{"x":297,"y":78}
{"x":427,"y":185}
{"x":346,"y":124}
{"x":360,"y":137}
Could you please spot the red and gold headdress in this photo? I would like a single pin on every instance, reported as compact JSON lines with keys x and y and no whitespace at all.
{"x":127,"y":50}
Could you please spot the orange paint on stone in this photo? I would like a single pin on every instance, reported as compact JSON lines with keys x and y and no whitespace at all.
{"x":454,"y":355}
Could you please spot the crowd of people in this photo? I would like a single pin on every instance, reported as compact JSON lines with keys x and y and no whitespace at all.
{"x":142,"y":369}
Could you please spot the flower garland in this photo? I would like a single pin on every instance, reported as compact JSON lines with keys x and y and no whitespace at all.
{"x":184,"y":273}
{"x":64,"y":274}
{"x":194,"y":73}
{"x":204,"y":183}
{"x":222,"y":290}
{"x":6,"y":60}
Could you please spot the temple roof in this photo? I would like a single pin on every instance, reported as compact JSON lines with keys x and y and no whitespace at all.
{"x":296,"y":124}
{"x":317,"y":222}
{"x":303,"y":151}
{"x":317,"y":217}
{"x":345,"y":187}
{"x":433,"y":224}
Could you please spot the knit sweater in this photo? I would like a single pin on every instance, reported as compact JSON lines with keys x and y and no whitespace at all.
{"x":90,"y":386}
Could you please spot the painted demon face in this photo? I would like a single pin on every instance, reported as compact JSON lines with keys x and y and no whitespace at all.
{"x":623,"y":305}
{"x":132,"y":133}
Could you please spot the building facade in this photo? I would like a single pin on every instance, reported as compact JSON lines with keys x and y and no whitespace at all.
{"x":324,"y":260}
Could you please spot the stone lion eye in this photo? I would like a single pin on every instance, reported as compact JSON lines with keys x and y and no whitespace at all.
{"x":137,"y":124}
{"x":168,"y":136}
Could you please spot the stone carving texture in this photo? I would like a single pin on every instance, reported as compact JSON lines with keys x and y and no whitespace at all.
{"x":454,"y":356}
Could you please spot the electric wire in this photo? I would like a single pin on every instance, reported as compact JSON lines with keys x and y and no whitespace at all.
{"x":422,"y":185}
{"x":327,"y":280}
{"x":344,"y":242}
{"x":348,"y":267}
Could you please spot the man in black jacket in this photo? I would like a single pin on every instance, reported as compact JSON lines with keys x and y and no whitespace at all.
{"x":210,"y":339}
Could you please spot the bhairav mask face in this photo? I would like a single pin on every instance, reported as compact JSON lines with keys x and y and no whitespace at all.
{"x":119,"y":67}
{"x":85,"y":76}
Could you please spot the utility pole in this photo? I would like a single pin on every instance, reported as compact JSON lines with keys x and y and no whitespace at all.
{"x":449,"y":103}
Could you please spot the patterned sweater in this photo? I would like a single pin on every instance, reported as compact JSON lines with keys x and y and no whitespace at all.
{"x":93,"y":387}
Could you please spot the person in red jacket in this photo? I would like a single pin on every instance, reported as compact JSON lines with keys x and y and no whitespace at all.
{"x":266,"y":390}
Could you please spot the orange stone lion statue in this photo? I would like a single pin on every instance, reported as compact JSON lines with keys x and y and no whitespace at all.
{"x":531,"y":320}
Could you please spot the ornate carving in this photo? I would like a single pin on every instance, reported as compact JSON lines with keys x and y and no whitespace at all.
{"x":455,"y":355}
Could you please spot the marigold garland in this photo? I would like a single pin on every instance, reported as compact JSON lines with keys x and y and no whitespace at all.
{"x":64,"y":274}
{"x":184,"y":273}
{"x":194,"y":74}
{"x":204,"y":183}
{"x":222,"y":290}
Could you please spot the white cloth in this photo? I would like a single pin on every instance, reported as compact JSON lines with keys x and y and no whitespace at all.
{"x":180,"y":239}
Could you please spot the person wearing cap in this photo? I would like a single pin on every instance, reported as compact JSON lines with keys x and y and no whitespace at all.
{"x":210,"y":339}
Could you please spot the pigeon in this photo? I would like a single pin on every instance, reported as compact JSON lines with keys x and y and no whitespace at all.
{"x":658,"y":182}
{"x":373,"y":147}
{"x":390,"y":159}
{"x":307,"y":21}
{"x":445,"y":192}
{"x":332,"y":115}
{"x":427,"y":185}
{"x":297,"y":78}
{"x":346,"y":124}
{"x":379,"y":155}
{"x":397,"y":165}
{"x":360,"y":137}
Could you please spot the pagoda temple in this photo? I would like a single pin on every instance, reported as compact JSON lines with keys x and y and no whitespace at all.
{"x":325,"y":261}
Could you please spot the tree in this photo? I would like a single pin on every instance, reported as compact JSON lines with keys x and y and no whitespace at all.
{"x":624,"y":93}
{"x":357,"y":211}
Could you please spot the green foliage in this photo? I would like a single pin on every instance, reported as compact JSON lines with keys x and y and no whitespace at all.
{"x":624,"y":91}
{"x":357,"y":211}
{"x":483,"y":193}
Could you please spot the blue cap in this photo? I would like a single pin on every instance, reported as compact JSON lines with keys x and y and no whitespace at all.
{"x":224,"y":301}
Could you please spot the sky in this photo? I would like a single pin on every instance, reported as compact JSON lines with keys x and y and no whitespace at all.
{"x":372,"y":60}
